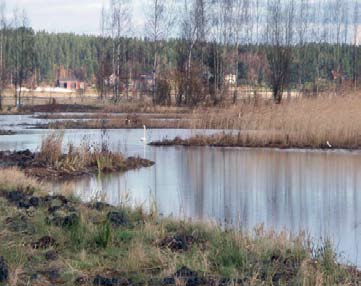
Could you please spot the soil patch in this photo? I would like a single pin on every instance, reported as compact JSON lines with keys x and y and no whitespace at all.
{"x":43,"y":169}
{"x":178,"y":242}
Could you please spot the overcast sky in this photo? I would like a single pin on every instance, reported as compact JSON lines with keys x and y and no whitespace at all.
{"x":78,"y":16}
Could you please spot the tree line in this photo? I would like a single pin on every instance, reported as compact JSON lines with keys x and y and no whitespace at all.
{"x":197,"y":53}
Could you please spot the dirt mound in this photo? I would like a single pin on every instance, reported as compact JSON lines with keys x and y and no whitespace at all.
{"x":43,"y":243}
{"x":177,"y":242}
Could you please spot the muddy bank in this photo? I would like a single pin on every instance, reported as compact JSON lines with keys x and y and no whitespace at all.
{"x":101,"y":115}
{"x":36,"y":165}
{"x":57,"y":240}
{"x":7,"y":132}
{"x":132,"y":122}
{"x":251,"y":140}
{"x":58,"y":108}
{"x":20,"y":158}
{"x":45,"y":266}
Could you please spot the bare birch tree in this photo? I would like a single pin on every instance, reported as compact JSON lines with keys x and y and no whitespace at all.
{"x":24,"y":56}
{"x":159,"y":24}
{"x":356,"y":17}
{"x":302,"y":27}
{"x":279,"y":51}
{"x":2,"y":50}
{"x":119,"y":27}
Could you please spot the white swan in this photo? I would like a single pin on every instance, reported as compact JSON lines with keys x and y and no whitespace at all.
{"x":144,"y":138}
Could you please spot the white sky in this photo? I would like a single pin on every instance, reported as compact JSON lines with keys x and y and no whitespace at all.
{"x":78,"y":16}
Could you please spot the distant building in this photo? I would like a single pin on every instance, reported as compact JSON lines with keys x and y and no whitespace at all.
{"x":145,"y":83}
{"x":230,"y":79}
{"x":71,"y":84}
{"x":147,"y":79}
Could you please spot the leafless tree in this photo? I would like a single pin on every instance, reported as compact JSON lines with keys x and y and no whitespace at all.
{"x":2,"y":49}
{"x":104,"y":69}
{"x":243,"y":27}
{"x":356,"y":17}
{"x":220,"y":36}
{"x":190,"y":34}
{"x":302,"y":27}
{"x":119,"y":26}
{"x":160,"y":20}
{"x":24,"y":60}
{"x":279,"y":51}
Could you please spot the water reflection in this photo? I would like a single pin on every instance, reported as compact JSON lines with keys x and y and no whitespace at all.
{"x":318,"y":192}
{"x":313,"y":191}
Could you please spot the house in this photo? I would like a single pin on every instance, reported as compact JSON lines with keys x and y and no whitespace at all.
{"x":71,"y":84}
{"x":230,"y":79}
{"x":147,"y":80}
{"x":145,"y":83}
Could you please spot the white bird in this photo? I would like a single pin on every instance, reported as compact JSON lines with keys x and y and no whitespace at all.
{"x":144,"y":138}
{"x":328,"y":144}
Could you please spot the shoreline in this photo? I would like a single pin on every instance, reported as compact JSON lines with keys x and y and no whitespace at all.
{"x":236,"y":141}
{"x":35,"y":166}
{"x":7,"y":132}
{"x":62,"y":241}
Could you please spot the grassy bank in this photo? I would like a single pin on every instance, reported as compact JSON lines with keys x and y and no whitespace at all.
{"x":56,"y":240}
{"x":250,"y":140}
{"x":52,"y":163}
{"x":129,"y":122}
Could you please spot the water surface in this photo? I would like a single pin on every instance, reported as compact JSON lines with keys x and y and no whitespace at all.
{"x":313,"y":191}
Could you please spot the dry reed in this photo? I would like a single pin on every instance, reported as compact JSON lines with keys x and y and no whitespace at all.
{"x":300,"y":123}
{"x":14,"y":179}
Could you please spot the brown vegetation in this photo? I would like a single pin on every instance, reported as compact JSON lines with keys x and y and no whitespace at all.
{"x":298,"y":123}
{"x":132,"y":122}
{"x":57,"y":240}
{"x":303,"y":123}
{"x":52,"y":163}
{"x":14,"y":179}
{"x":59,"y":108}
{"x":245,"y":139}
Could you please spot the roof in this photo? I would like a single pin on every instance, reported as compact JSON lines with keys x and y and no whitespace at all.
{"x":69,"y":79}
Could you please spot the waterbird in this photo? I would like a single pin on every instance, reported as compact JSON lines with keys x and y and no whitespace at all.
{"x":144,"y":138}
{"x":328,"y":144}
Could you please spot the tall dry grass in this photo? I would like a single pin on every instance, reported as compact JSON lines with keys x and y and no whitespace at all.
{"x":303,"y":122}
{"x":14,"y":179}
{"x":51,"y":148}
{"x":77,"y":159}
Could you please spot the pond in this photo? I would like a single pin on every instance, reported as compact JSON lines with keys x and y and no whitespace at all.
{"x":317,"y":192}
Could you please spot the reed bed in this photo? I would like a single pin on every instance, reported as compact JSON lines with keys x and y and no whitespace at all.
{"x":303,"y":123}
{"x":78,"y":159}
{"x":309,"y":123}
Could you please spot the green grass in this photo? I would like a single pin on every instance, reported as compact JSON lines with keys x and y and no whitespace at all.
{"x":93,"y":245}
